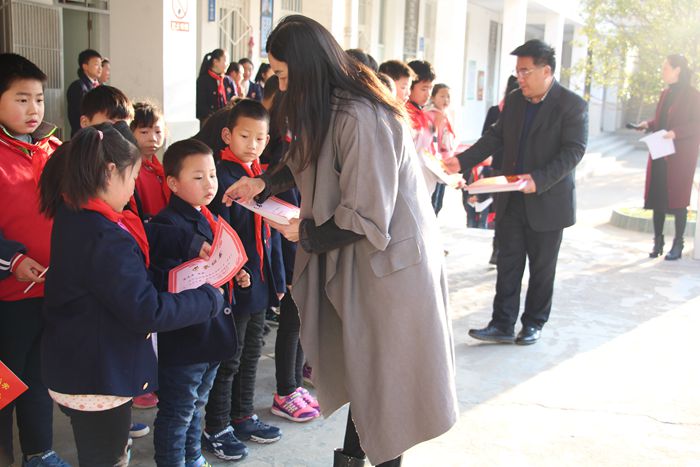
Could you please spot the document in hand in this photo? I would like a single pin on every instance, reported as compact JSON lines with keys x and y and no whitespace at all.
{"x":11,"y":387}
{"x":658,"y":145}
{"x":274,"y":209}
{"x":437,"y":167}
{"x":496,"y":184}
{"x":226,"y":258}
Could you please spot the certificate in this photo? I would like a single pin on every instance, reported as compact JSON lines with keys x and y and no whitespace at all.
{"x":658,"y":145}
{"x":226,"y":258}
{"x":11,"y":387}
{"x":437,"y":167}
{"x":274,"y":209}
{"x":497,"y":184}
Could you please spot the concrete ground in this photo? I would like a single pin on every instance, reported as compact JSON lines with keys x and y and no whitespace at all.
{"x":613,"y":381}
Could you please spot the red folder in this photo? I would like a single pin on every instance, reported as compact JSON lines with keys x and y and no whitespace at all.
{"x":10,"y":386}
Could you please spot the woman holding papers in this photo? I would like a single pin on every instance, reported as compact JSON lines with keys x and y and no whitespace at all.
{"x":368,"y":276}
{"x":669,"y":179}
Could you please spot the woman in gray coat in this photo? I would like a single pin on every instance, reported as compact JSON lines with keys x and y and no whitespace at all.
{"x":368,"y":279}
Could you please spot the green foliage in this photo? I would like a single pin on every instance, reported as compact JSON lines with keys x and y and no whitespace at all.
{"x":629,"y":39}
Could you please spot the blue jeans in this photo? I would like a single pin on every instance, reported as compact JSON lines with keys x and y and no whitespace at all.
{"x":183,"y":392}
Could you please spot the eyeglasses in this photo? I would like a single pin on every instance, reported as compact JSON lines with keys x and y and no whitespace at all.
{"x":525,"y":72}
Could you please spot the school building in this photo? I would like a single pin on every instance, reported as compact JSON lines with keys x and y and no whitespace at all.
{"x":156,"y":46}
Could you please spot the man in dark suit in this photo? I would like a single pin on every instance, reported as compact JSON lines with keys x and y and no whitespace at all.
{"x":542,"y":131}
{"x":90,"y":62}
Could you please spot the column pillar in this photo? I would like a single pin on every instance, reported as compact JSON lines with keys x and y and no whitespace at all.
{"x":514,"y":22}
{"x":554,"y":36}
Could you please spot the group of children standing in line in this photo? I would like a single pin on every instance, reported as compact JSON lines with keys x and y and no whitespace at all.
{"x":105,"y":221}
{"x":111,"y":220}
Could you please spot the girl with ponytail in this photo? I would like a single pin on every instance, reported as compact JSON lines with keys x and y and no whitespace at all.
{"x":214,"y":88}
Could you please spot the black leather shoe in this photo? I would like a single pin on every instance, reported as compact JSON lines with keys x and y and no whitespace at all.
{"x":658,"y":248}
{"x":343,"y":460}
{"x":491,"y":334}
{"x":676,"y":250}
{"x":528,"y":335}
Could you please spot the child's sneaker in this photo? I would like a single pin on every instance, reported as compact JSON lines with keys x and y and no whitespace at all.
{"x":224,"y":445}
{"x":138,"y":430}
{"x":310,"y":400}
{"x":293,"y":407}
{"x":252,"y":429}
{"x":145,"y":401}
{"x":198,"y":462}
{"x":47,"y":459}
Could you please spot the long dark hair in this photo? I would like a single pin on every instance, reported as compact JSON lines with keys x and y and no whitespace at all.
{"x":318,"y":66}
{"x":679,"y":61}
{"x":77,"y":171}
{"x":264,"y":67}
{"x":208,"y":58}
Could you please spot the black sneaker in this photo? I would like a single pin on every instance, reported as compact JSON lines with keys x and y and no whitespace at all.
{"x":272,"y":316}
{"x":252,"y":429}
{"x":224,"y":445}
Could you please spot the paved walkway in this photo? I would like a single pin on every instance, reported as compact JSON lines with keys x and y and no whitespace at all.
{"x":613,"y":381}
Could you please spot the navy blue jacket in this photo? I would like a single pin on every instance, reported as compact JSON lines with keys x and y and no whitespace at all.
{"x":74,"y":96}
{"x":8,"y":250}
{"x":208,"y":95}
{"x":100,"y":308}
{"x":255,"y":91}
{"x":210,"y":341}
{"x":263,"y":293}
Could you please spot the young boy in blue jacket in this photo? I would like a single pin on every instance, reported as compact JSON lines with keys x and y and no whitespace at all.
{"x":188,"y":358}
{"x":229,"y":413}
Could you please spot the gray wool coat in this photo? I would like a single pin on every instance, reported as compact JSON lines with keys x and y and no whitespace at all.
{"x":375,"y":324}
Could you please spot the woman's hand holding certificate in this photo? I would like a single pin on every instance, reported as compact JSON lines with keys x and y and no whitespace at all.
{"x":244,"y":190}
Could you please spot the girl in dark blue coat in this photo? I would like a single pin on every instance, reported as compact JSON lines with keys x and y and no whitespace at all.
{"x":101,"y":307}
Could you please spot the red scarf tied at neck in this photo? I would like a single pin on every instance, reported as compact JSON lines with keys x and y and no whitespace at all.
{"x":127,"y":220}
{"x":220,"y":91}
{"x":154,"y":165}
{"x":252,"y":171}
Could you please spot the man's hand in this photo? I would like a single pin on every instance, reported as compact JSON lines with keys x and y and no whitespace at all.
{"x":452,"y":165}
{"x":531,"y":187}
{"x":670,"y":135}
{"x":29,"y":271}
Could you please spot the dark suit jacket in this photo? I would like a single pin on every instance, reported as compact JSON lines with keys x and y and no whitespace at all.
{"x":74,"y":96}
{"x":263,"y":292}
{"x":255,"y":91}
{"x":101,"y":307}
{"x":213,"y":340}
{"x":555,"y":145}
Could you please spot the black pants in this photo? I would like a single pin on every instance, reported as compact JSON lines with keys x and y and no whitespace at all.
{"x":351,"y":446}
{"x":21,"y":325}
{"x":437,"y":196}
{"x":289,"y":357}
{"x":518,"y":242}
{"x":680,"y":217}
{"x":231,"y":396}
{"x":101,"y":438}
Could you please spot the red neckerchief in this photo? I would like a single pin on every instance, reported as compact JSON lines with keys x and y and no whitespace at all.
{"x":156,"y":167}
{"x":127,"y":220}
{"x":37,"y":152}
{"x":212,"y":224}
{"x":220,"y":91}
{"x":252,"y":171}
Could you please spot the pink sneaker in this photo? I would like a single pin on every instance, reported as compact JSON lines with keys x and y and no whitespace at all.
{"x":311,"y":400}
{"x":293,"y":407}
{"x":147,"y":401}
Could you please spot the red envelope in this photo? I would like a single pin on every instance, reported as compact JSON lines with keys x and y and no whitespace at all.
{"x":10,"y":386}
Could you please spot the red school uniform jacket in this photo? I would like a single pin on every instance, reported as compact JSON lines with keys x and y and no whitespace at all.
{"x":151,"y":188}
{"x":20,"y":221}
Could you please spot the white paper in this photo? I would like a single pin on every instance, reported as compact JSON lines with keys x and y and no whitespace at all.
{"x":497,"y":184}
{"x":435,"y":166}
{"x":274,"y":209}
{"x":658,"y":145}
{"x":479,"y":207}
{"x":226,"y":258}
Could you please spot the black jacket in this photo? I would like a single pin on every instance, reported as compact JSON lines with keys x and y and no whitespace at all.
{"x":207,"y":95}
{"x":555,"y":145}
{"x":74,"y":95}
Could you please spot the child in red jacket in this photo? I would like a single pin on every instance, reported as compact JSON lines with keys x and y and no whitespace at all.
{"x":26,"y":143}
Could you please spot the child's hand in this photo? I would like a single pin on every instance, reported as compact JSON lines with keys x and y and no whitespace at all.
{"x":243,"y":190}
{"x":29,"y":271}
{"x":242,"y":278}
{"x":452,"y":165}
{"x":289,"y":231}
{"x":204,"y":251}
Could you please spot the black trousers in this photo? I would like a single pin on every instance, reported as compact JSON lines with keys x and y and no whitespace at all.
{"x":289,"y":357}
{"x":231,"y":396}
{"x":518,"y":242}
{"x":351,"y":446}
{"x":101,"y":438}
{"x":21,"y":325}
